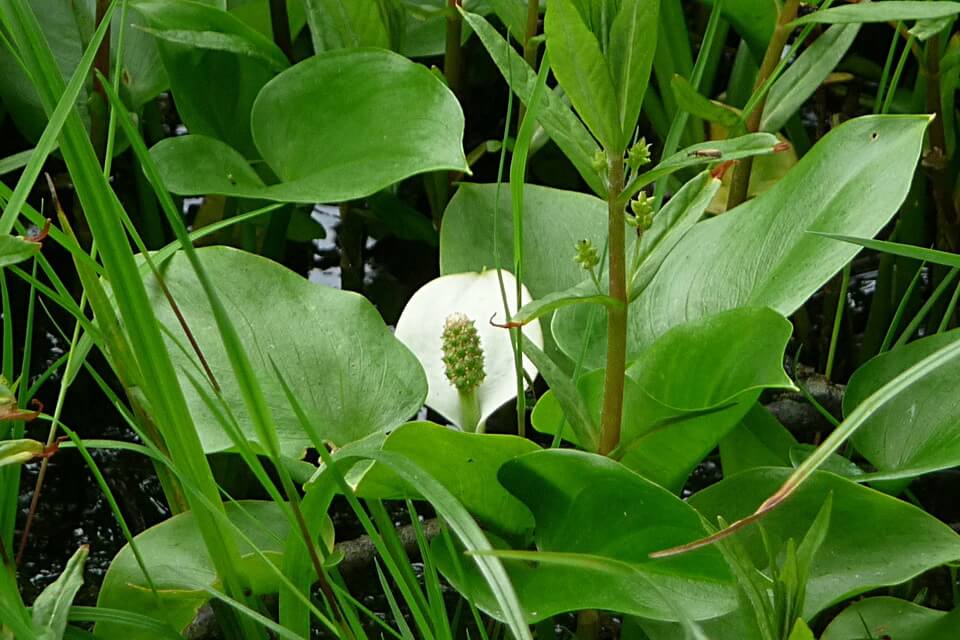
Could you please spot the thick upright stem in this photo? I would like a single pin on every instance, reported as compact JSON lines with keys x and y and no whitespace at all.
{"x":740,"y":182}
{"x":101,"y":62}
{"x":469,"y":410}
{"x":280,"y":24}
{"x":529,"y":47}
{"x":616,"y":316}
{"x":453,"y":56}
{"x":533,"y":26}
{"x":948,"y":220}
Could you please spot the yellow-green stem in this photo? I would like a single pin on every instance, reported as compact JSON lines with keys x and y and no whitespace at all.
{"x":740,"y":183}
{"x":616,"y":315}
{"x":453,"y":56}
{"x":469,"y":410}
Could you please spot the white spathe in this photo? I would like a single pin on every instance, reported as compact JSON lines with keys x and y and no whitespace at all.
{"x":476,"y":295}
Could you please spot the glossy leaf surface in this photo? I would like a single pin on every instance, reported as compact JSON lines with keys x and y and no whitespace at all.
{"x":345,"y":124}
{"x":332,"y":347}
{"x":724,"y":362}
{"x":761,"y":254}
{"x":465,"y":463}
{"x":915,"y":432}
{"x":893,"y":617}
{"x":863,"y":547}
{"x":593,"y":507}
{"x":180,"y":567}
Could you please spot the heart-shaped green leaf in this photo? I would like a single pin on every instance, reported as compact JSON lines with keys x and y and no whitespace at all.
{"x":761,"y":253}
{"x":594,"y":509}
{"x":216,"y":65}
{"x":465,"y":463}
{"x":180,"y":568}
{"x":894,"y":618}
{"x":914,"y":432}
{"x":688,"y":390}
{"x":378,"y":118}
{"x":554,"y":220}
{"x":331,"y":346}
{"x":863,"y":547}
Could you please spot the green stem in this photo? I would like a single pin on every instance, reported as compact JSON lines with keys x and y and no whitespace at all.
{"x":280,"y":24}
{"x":529,"y":46}
{"x":948,"y":218}
{"x":740,"y":182}
{"x":616,"y":316}
{"x":470,"y":411}
{"x":453,"y":55}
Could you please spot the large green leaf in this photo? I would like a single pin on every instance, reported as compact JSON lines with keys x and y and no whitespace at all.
{"x":554,"y":221}
{"x":332,"y":347}
{"x":687,"y":391}
{"x":633,"y":41}
{"x":916,"y":431}
{"x":465,"y":463}
{"x":864,"y":545}
{"x":670,"y":224}
{"x":580,"y":66}
{"x":143,"y":74}
{"x":593,"y":507}
{"x":216,"y":65}
{"x":66,"y":26}
{"x":805,"y":75}
{"x":335,"y":24}
{"x":180,"y":568}
{"x":377,"y":117}
{"x":884,"y":616}
{"x":886,"y":11}
{"x":761,"y":253}
{"x":556,"y":118}
{"x":707,"y":363}
{"x":758,"y":441}
{"x":300,"y":109}
{"x":196,"y":164}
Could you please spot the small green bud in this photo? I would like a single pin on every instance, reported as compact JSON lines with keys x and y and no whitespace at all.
{"x":642,"y":208}
{"x":600,"y":162}
{"x":639,"y":154}
{"x":462,"y":353}
{"x":587,"y":255}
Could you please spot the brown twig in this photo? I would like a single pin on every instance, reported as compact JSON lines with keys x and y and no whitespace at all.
{"x":740,"y":183}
